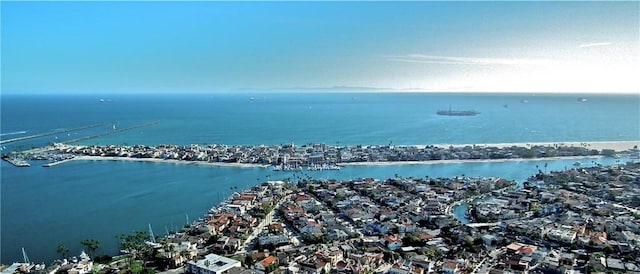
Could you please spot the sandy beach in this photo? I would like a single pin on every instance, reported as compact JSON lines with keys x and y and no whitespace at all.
{"x":436,"y":162}
{"x":615,"y":145}
{"x":156,"y":160}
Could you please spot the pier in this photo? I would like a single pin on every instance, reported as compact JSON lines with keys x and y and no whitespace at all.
{"x":49,"y":133}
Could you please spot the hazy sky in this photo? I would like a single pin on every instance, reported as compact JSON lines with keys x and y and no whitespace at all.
{"x":101,"y":47}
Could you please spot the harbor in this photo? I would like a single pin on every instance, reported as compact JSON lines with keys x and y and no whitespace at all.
{"x":17,"y":158}
{"x":279,"y":220}
{"x":17,"y":162}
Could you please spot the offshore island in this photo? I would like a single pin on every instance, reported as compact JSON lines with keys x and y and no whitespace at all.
{"x":580,"y":220}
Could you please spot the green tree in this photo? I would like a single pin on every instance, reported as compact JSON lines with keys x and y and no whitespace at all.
{"x":92,"y":245}
{"x":136,"y":268}
{"x":248,"y":261}
{"x":468,"y":241}
{"x":63,"y":250}
{"x":134,"y":245}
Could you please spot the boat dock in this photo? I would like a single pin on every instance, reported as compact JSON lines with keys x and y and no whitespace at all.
{"x":58,"y":162}
{"x":49,"y":133}
{"x":16,"y":161}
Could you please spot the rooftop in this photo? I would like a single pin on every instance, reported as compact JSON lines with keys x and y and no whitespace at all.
{"x":215,"y":263}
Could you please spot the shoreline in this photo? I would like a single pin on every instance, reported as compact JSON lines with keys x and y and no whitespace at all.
{"x":394,"y":163}
{"x":436,"y":162}
{"x":170,"y":161}
{"x":599,"y":145}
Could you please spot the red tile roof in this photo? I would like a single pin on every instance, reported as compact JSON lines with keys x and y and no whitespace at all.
{"x":268,"y":261}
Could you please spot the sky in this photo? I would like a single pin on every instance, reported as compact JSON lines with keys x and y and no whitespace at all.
{"x":174,"y":47}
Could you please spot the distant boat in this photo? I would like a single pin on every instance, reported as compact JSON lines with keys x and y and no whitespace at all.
{"x":582,"y":99}
{"x":524,"y":101}
{"x":457,"y":112}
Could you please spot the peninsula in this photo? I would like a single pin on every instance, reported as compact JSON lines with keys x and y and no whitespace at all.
{"x":291,"y":157}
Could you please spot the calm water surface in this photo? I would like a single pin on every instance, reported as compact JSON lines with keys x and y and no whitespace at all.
{"x":44,"y":207}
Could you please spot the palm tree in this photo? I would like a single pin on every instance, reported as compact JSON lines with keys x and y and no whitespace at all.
{"x":63,"y":250}
{"x":134,"y":245}
{"x":92,"y":245}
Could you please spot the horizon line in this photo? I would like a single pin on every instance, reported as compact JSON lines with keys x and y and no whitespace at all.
{"x":321,"y":89}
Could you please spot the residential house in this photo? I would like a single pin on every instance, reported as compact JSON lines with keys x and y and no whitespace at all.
{"x":267,"y":264}
{"x":212,"y":264}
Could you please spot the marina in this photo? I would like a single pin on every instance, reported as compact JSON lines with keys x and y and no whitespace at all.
{"x":16,"y":161}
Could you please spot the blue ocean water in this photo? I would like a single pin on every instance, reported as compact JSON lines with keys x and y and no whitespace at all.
{"x":44,"y":207}
{"x":335,"y":118}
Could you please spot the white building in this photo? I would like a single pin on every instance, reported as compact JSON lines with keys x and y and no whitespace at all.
{"x":212,"y":264}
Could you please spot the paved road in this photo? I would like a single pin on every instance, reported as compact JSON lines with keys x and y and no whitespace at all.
{"x":246,"y":246}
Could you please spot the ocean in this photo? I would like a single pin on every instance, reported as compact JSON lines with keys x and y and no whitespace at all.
{"x":44,"y":207}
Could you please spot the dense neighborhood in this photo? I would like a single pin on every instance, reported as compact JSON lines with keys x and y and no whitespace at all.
{"x":291,"y":157}
{"x":581,"y":220}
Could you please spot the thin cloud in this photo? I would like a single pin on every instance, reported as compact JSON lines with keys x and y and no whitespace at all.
{"x":460,"y":60}
{"x":591,"y":45}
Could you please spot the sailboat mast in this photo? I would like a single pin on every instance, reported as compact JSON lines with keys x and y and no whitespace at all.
{"x":24,"y":256}
{"x":153,"y":237}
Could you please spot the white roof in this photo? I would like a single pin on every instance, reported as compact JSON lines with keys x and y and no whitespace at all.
{"x":216,"y":263}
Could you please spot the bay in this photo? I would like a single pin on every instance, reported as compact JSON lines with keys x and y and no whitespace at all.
{"x":44,"y":207}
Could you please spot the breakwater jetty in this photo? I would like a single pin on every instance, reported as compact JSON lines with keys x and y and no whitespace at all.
{"x":50,"y":133}
{"x":110,"y":132}
{"x":53,"y":153}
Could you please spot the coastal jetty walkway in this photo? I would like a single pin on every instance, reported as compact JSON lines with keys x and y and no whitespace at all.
{"x":111,"y":132}
{"x":49,"y":133}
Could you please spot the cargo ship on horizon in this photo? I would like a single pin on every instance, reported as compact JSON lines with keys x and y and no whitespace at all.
{"x":450,"y":112}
